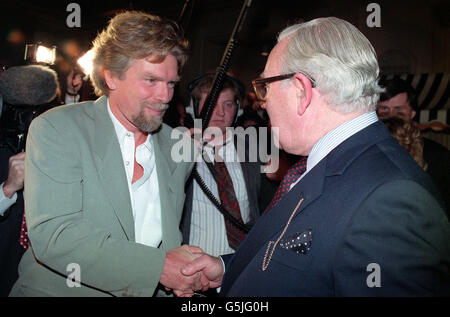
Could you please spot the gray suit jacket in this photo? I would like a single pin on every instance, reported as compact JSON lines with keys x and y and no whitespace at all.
{"x":79,"y":211}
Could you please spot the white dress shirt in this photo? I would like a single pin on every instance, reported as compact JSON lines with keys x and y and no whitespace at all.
{"x":71,"y":99}
{"x":144,"y":193}
{"x":208,"y":229}
{"x":6,"y":202}
{"x":335,"y":137}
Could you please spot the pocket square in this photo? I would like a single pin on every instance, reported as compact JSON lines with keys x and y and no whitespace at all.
{"x":299,"y":242}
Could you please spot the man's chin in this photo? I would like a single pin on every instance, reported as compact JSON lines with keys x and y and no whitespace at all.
{"x":148,"y":126}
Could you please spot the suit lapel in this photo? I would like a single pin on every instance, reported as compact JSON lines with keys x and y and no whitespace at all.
{"x":167,"y":191}
{"x":310,"y":188}
{"x":250,"y":171}
{"x":269,"y":226}
{"x":252,"y":177}
{"x":110,"y":167}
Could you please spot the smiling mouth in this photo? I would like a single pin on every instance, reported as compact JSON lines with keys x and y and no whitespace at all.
{"x":156,"y":112}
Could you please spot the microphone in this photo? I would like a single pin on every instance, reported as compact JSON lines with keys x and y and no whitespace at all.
{"x":31,"y":85}
{"x":27,"y":91}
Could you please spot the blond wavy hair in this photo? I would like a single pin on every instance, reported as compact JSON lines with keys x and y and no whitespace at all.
{"x":407,"y":133}
{"x":133,"y":35}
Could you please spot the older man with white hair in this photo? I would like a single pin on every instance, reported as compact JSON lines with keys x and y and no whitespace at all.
{"x":363,"y":219}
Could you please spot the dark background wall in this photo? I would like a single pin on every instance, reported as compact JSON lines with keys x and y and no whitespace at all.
{"x":413,"y":37}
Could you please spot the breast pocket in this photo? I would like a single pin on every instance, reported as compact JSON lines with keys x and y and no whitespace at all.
{"x":292,"y":259}
{"x":294,"y":249}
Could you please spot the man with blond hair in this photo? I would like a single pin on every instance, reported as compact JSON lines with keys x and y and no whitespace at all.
{"x":363,"y":219}
{"x":103,"y":196}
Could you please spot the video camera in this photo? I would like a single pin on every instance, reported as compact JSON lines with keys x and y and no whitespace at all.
{"x":26,"y":92}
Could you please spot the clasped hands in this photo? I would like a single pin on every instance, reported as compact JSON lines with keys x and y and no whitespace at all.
{"x":188,"y":269}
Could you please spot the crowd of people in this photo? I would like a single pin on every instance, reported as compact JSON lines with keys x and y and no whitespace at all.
{"x":355,"y":183}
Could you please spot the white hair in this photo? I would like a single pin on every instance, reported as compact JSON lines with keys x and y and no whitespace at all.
{"x":339,"y":57}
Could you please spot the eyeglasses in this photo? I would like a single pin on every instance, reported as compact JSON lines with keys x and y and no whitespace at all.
{"x":260,"y":85}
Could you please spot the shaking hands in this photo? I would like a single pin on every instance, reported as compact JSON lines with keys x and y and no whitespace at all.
{"x":188,"y":270}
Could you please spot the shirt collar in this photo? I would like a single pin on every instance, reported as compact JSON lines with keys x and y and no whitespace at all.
{"x":121,"y":132}
{"x":209,"y":147}
{"x":338,"y":135}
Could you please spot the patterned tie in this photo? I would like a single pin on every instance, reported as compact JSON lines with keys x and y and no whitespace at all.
{"x":23,"y":240}
{"x":291,"y":177}
{"x":230,"y":203}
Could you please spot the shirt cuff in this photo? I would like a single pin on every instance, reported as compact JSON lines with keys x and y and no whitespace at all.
{"x":6,"y":202}
{"x":223,"y":264}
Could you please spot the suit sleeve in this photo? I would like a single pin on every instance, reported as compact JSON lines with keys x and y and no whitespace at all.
{"x":397,"y":244}
{"x":59,"y":231}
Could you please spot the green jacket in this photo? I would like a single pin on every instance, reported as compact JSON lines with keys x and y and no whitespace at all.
{"x":78,"y":207}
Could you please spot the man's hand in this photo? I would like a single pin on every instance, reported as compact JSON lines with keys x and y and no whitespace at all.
{"x":16,"y":175}
{"x":74,"y":82}
{"x":171,"y":276}
{"x":211,"y":268}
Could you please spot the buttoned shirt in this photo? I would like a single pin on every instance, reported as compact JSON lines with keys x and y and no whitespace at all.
{"x":144,"y":193}
{"x":208,"y":229}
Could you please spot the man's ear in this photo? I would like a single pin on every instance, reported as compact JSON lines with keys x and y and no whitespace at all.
{"x":413,"y":114}
{"x":304,"y":92}
{"x":110,"y":79}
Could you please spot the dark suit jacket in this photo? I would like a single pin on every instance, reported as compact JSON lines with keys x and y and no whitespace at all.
{"x":10,"y":250}
{"x":437,"y":158}
{"x":255,"y":183}
{"x":366,"y":202}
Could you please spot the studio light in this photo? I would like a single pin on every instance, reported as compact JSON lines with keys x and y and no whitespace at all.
{"x":85,"y":62}
{"x":37,"y":53}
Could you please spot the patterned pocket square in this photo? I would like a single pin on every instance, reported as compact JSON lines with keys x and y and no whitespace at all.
{"x":299,"y":242}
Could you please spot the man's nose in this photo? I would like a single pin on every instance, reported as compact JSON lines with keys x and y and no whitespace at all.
{"x":219,"y":110}
{"x":164,"y":94}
